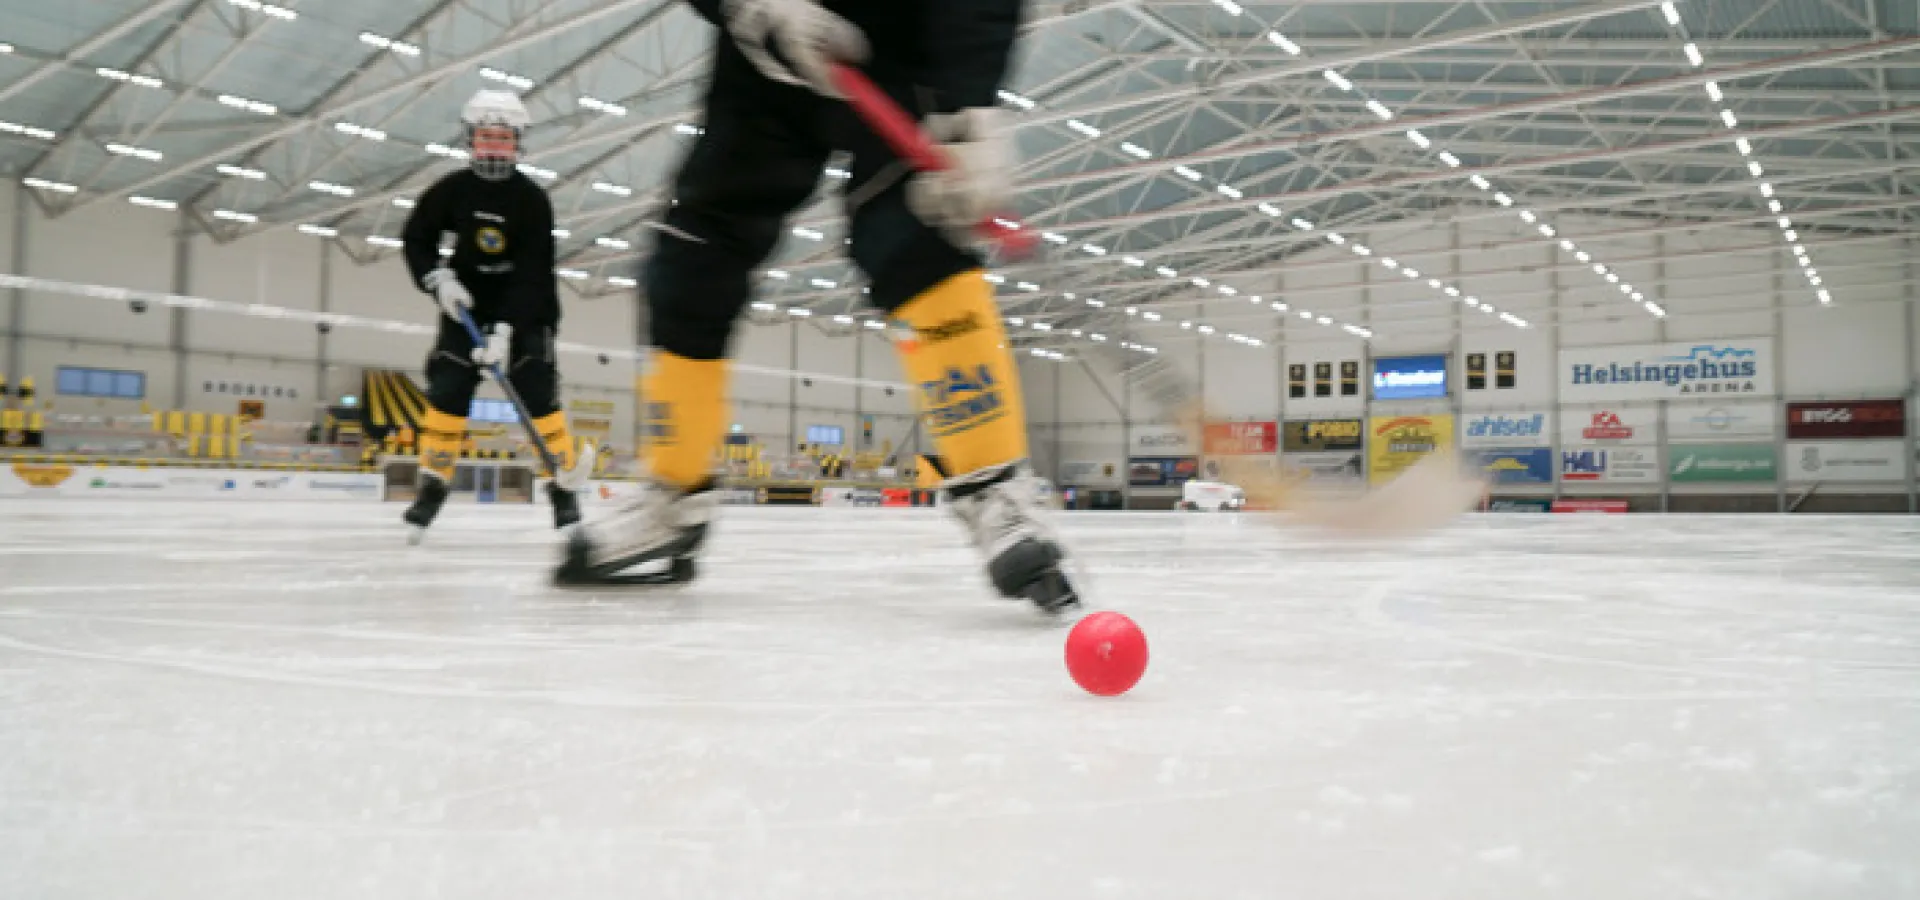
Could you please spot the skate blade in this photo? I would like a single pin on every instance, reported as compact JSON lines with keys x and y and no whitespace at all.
{"x":678,"y":572}
{"x":1054,"y":595}
{"x":576,"y":571}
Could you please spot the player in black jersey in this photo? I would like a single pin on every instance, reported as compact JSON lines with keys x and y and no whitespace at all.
{"x":773,"y":117}
{"x":501,"y":272}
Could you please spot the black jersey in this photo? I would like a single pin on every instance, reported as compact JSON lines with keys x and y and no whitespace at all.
{"x":956,"y":49}
{"x":502,"y":245}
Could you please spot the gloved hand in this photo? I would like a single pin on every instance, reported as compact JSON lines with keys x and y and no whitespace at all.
{"x":448,"y":290}
{"x":498,"y":348}
{"x":794,"y":41}
{"x":979,"y":183}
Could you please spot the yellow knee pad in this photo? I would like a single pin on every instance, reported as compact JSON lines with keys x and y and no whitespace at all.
{"x":552,"y":428}
{"x":968,"y":386}
{"x":685,"y":415}
{"x":441,"y":436}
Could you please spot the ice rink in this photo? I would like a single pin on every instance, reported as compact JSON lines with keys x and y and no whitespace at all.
{"x":280,"y":700}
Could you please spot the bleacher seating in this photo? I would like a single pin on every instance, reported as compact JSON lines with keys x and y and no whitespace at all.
{"x":337,"y":441}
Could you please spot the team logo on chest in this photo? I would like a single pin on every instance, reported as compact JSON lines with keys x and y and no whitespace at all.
{"x":490,"y":240}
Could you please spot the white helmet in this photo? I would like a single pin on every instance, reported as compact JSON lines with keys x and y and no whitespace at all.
{"x":494,"y":109}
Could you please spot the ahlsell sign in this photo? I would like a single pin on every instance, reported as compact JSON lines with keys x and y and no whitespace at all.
{"x":1849,"y":419}
{"x":1700,"y":369}
{"x":1504,"y":430}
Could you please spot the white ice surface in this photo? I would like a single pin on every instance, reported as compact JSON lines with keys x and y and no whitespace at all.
{"x":284,"y":701}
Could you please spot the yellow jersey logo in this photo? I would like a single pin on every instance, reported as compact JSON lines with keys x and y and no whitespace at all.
{"x":491,"y":240}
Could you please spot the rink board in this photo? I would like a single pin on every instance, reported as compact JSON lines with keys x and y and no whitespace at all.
{"x":123,"y":482}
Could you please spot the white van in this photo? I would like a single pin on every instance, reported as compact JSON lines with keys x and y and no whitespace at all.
{"x":1212,"y":496}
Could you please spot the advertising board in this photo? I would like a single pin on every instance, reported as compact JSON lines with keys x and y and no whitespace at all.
{"x":1846,"y":461}
{"x":1395,"y":443}
{"x":1848,"y":419}
{"x":1410,"y":377}
{"x":1696,"y":369}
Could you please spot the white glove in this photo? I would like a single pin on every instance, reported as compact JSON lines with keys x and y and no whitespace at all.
{"x":979,"y":183}
{"x":447,"y":289}
{"x":794,"y":41}
{"x":495,"y":352}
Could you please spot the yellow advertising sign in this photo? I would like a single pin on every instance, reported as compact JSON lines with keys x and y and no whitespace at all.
{"x":42,"y":476}
{"x":1395,"y":443}
{"x":591,"y":407}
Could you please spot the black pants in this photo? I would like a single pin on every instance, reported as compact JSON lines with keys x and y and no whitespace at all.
{"x":760,"y":158}
{"x":452,"y":375}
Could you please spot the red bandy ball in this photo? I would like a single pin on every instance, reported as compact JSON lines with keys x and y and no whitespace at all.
{"x":1106,"y":654}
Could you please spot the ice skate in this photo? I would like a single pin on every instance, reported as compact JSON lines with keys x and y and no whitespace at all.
{"x":651,"y":541}
{"x":566,"y":505}
{"x":426,"y":506}
{"x":563,"y":492}
{"x":1001,"y":509}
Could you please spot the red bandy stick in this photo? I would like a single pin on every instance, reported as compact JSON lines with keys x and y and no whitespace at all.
{"x":903,"y":134}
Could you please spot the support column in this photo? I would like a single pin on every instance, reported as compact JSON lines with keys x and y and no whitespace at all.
{"x":322,"y":391}
{"x":16,"y":313}
{"x":1200,"y":363}
{"x":1126,"y":431}
{"x":1556,"y":415}
{"x":859,"y":390}
{"x":1780,"y":396}
{"x":1456,"y":398}
{"x":1280,"y":398}
{"x":1665,"y":449}
{"x":793,"y":385}
{"x":1913,"y":378}
{"x":1056,"y":426}
{"x":177,"y":327}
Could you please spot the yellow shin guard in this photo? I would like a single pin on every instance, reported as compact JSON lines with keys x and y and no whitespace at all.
{"x":686,"y":413}
{"x":553,"y":432}
{"x":968,"y":385}
{"x":441,"y":435}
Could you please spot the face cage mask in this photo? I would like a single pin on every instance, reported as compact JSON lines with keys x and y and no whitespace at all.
{"x":493,"y":158}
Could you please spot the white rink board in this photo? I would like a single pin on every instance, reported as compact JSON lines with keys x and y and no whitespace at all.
{"x":1845,"y":461}
{"x":1601,"y":426}
{"x":117,"y":482}
{"x":1610,"y":465}
{"x":225,"y":702}
{"x":1737,"y":422}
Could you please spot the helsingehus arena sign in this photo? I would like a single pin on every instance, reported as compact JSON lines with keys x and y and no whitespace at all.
{"x":1694,"y":369}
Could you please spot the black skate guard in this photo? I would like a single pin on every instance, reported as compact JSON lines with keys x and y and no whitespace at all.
{"x":1031,"y":570}
{"x":577,"y":571}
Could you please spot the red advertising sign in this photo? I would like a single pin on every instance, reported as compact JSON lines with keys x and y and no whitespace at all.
{"x":1606,"y":426}
{"x":1242,"y":438}
{"x":1847,"y":419}
{"x":1589,"y":506}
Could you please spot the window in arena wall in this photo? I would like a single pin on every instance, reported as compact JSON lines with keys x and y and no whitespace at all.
{"x":76,"y":381}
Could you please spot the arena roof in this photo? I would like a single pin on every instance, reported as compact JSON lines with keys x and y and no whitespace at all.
{"x":1173,"y":150}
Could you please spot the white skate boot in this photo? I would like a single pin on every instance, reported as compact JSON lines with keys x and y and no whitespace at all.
{"x":663,"y":525}
{"x":1002,"y":511}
